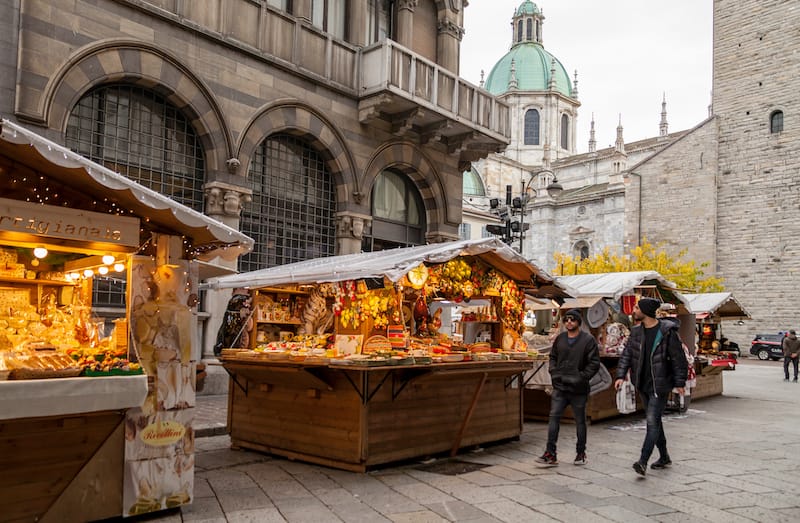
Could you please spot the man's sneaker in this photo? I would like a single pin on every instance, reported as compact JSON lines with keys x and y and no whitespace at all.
{"x":795,"y":380}
{"x":662,"y":463}
{"x":640,"y":468}
{"x":548,"y":459}
{"x":786,"y":379}
{"x":580,"y":459}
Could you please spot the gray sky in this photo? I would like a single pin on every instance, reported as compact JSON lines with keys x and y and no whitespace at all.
{"x":628,"y":53}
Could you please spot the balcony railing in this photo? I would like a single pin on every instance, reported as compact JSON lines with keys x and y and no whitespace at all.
{"x":292,"y":43}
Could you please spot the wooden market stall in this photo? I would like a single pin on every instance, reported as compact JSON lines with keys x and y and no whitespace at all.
{"x":93,"y":425}
{"x":710,"y":310}
{"x":345,"y":364}
{"x":605,"y":301}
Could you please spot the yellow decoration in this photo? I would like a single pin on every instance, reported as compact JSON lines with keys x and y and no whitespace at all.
{"x":418,"y":276}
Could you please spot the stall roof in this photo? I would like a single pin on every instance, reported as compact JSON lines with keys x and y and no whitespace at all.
{"x":721,"y":305}
{"x":70,"y":168}
{"x":615,"y":284}
{"x":394,"y":264}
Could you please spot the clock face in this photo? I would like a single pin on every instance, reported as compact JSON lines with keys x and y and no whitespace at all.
{"x":418,"y":276}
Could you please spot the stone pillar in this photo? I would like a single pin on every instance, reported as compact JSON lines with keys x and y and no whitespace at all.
{"x":357,"y":22}
{"x":448,"y":44}
{"x":405,"y":22}
{"x":350,"y":231}
{"x":302,"y":9}
{"x":224,"y":203}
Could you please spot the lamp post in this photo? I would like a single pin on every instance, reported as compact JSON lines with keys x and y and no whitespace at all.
{"x":513,"y":229}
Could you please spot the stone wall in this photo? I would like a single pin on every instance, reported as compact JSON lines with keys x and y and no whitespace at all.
{"x":757,"y":71}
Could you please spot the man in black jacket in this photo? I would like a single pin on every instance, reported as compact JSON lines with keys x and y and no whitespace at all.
{"x":654,"y":355}
{"x":574,"y":359}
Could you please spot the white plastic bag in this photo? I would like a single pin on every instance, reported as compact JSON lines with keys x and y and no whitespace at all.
{"x":626,"y":397}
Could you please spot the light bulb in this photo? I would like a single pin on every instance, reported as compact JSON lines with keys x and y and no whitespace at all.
{"x":108,"y":259}
{"x":119,"y":267}
{"x":75,"y":275}
{"x":88,"y":273}
{"x":102,"y":269}
{"x":40,"y":252}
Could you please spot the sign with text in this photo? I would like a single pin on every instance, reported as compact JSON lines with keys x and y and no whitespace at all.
{"x":25,"y":221}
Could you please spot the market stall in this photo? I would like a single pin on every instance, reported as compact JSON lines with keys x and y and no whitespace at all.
{"x":95,"y":424}
{"x":347,"y":362}
{"x":714,"y":351}
{"x":606,"y":301}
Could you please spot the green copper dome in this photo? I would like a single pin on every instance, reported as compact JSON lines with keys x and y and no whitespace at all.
{"x":532,"y":70}
{"x":527,"y":8}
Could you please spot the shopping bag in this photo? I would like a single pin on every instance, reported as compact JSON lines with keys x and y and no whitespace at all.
{"x":626,"y":397}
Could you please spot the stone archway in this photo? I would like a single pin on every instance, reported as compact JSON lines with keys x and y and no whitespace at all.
{"x":142,"y":65}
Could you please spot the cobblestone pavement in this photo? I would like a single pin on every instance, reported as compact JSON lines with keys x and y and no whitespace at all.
{"x":736,"y":459}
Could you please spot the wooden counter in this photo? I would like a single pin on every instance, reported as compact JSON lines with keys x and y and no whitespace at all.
{"x":355,"y":417}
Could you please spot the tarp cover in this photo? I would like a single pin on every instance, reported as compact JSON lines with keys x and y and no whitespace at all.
{"x":615,"y":284}
{"x":394,"y":264}
{"x":60,"y":163}
{"x":720,"y":305}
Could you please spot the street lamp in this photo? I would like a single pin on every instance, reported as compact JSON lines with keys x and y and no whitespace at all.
{"x":513,"y":229}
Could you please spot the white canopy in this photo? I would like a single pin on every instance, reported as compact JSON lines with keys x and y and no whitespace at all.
{"x":721,"y":305}
{"x":72,"y":169}
{"x":615,"y":284}
{"x":394,"y":264}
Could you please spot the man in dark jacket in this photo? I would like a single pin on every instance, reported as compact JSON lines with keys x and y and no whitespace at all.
{"x":791,"y":352}
{"x":654,"y":355}
{"x":574,"y":359}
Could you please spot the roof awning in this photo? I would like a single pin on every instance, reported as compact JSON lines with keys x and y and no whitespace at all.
{"x":581,"y":302}
{"x":394,"y":264}
{"x":717,"y":305}
{"x":210,"y":236}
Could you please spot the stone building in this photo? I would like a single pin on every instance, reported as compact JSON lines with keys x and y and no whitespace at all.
{"x":317,"y":127}
{"x":590,"y":213}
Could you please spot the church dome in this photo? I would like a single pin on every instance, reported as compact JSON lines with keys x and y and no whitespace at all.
{"x":532,"y":66}
{"x":527,"y":66}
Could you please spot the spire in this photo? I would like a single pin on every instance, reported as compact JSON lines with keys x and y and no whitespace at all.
{"x":619,"y":145}
{"x":512,"y":80}
{"x":482,"y":82}
{"x":663,"y":126}
{"x":592,"y":141}
{"x":575,"y":85}
{"x":551,"y":84}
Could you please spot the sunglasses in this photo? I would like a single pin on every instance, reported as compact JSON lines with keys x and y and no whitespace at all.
{"x":570,"y":318}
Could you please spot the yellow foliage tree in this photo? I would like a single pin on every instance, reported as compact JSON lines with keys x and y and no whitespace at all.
{"x":687,"y":275}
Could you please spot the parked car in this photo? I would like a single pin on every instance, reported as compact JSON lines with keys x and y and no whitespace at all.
{"x":767,"y":346}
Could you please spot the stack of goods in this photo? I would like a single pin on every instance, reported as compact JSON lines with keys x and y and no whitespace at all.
{"x":40,"y":364}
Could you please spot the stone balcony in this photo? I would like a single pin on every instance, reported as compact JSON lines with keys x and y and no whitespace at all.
{"x":416,"y":97}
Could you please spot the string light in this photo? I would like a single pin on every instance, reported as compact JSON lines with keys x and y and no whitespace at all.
{"x":108,"y":259}
{"x":88,"y":273}
{"x":40,"y":252}
{"x":102,"y":270}
{"x":119,"y":267}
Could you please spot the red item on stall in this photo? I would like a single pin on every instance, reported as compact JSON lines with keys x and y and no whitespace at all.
{"x":628,"y":303}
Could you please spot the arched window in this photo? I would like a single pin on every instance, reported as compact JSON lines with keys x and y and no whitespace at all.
{"x":139,"y":134}
{"x":531,"y":127}
{"x":398,"y":214}
{"x":472,"y":184}
{"x":530,"y":29}
{"x":292,"y":215}
{"x":581,"y":250}
{"x":519,"y":31}
{"x":538,"y":31}
{"x":776,"y":122}
{"x":564,"y":131}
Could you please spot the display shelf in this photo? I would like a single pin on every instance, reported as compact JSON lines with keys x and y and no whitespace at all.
{"x":284,"y":322}
{"x":26,"y":281}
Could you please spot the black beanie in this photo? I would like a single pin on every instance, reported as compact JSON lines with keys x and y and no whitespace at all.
{"x":649,"y":306}
{"x":574,"y":313}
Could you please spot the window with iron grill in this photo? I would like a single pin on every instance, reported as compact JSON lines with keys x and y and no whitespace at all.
{"x":139,"y":134}
{"x":292,"y":215}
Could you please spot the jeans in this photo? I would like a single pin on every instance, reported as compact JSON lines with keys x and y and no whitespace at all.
{"x":654,"y":408}
{"x":558,"y":402}
{"x":786,"y":360}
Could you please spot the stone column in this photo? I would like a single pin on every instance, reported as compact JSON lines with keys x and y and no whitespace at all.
{"x":302,"y":9}
{"x":357,"y":22}
{"x":224,"y":203}
{"x":350,"y":231}
{"x":448,"y":44}
{"x":405,"y":22}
